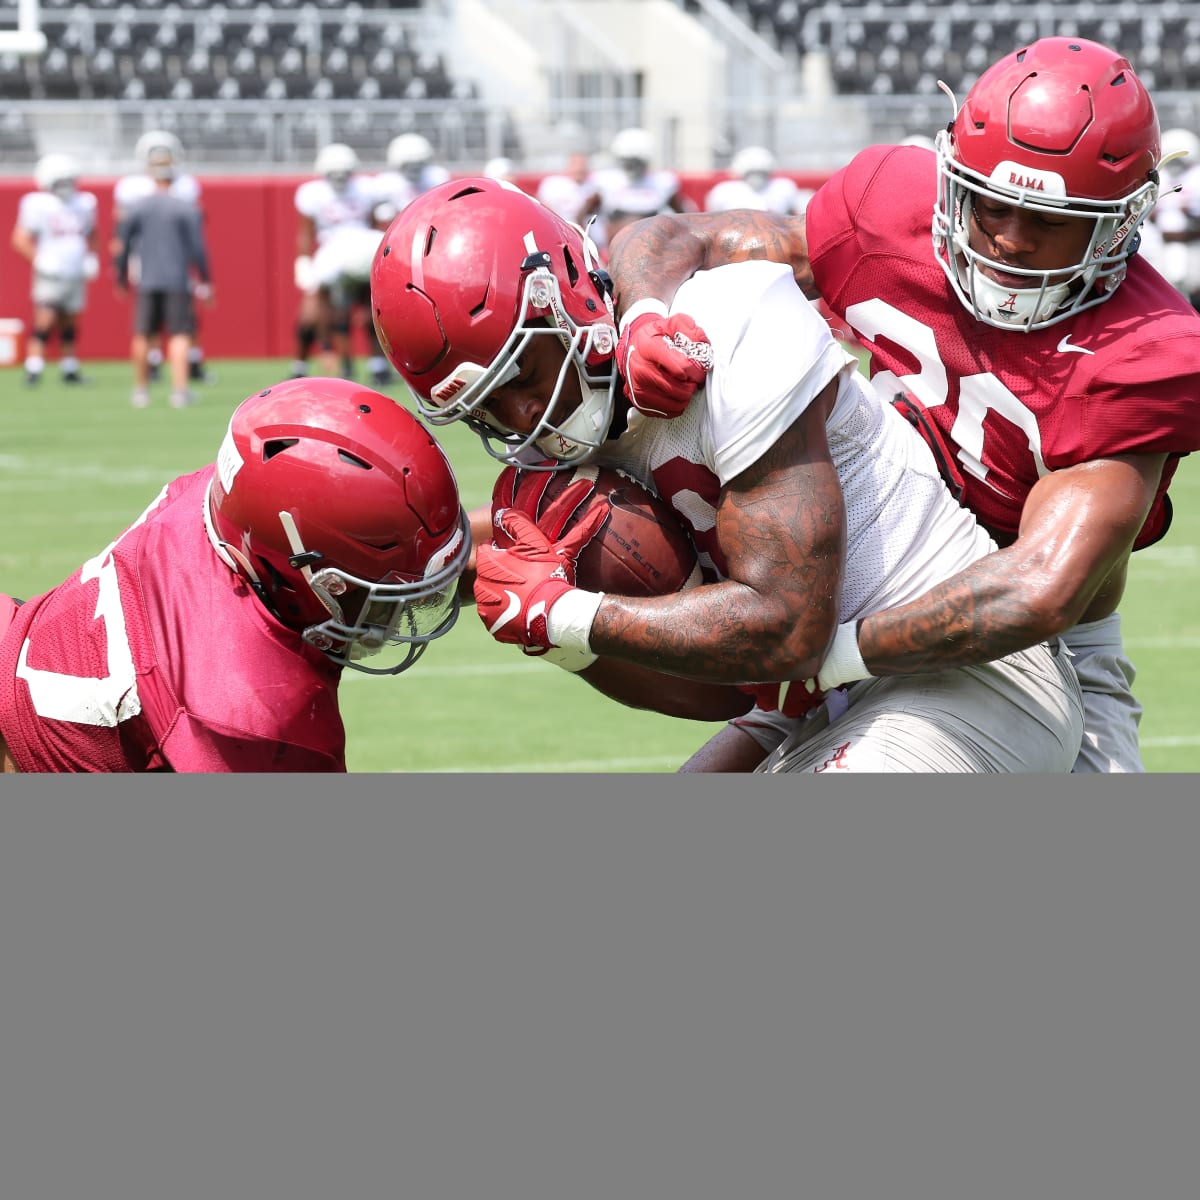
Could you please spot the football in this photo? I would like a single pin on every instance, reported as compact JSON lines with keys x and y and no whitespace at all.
{"x":642,"y":549}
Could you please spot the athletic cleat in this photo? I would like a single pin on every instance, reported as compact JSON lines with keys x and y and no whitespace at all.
{"x":140,"y":398}
{"x":181,"y":399}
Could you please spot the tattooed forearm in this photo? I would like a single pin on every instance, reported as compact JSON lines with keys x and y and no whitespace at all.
{"x":979,"y":615}
{"x":783,"y":536}
{"x":652,"y":257}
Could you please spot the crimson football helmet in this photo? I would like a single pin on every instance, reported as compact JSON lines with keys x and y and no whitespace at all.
{"x":466,"y":276}
{"x":1064,"y":127}
{"x":343,"y":514}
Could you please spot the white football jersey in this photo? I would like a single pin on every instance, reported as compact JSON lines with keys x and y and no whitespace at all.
{"x":61,"y":228}
{"x":773,"y":355}
{"x":346,"y":254}
{"x":330,"y":209}
{"x":394,"y":191}
{"x":568,"y":197}
{"x":779,"y":195}
{"x":129,"y":189}
{"x":624,"y":195}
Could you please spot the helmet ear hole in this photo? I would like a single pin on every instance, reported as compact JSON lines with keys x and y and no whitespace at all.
{"x":573,"y":272}
{"x":277,"y":446}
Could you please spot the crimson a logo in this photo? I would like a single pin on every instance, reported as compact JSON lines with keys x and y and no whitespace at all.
{"x":1009,"y":305}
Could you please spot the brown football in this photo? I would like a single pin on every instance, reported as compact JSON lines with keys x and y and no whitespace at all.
{"x":642,"y":549}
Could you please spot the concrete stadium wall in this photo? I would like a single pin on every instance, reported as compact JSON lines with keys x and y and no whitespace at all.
{"x":251,"y":228}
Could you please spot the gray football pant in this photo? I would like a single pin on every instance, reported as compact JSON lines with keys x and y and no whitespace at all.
{"x":1111,"y":712}
{"x":1023,"y":713}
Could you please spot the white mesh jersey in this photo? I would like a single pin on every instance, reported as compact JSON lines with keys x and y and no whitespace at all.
{"x":129,"y":189}
{"x":643,"y":196}
{"x":394,"y":191}
{"x":779,"y":195}
{"x":61,"y":228}
{"x":773,"y":355}
{"x":331,"y":210}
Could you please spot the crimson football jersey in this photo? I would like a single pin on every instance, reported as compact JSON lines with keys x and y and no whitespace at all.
{"x":1120,"y":378}
{"x":154,"y":656}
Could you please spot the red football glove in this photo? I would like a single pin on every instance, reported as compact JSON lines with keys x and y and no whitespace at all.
{"x":663,"y":360}
{"x":515,"y":588}
{"x":524,"y":490}
{"x":797,"y":699}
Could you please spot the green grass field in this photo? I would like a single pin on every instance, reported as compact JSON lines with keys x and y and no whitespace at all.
{"x":77,"y":464}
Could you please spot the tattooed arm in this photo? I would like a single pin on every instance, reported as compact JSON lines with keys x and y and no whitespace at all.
{"x":652,"y":257}
{"x":781,"y":526}
{"x":1067,"y":565}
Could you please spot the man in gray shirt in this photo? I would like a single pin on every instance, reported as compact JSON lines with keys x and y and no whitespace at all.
{"x":167,"y":237}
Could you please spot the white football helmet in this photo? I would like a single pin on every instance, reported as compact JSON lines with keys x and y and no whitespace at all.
{"x":754,"y":164}
{"x":633,"y":149}
{"x":56,"y":172}
{"x":499,"y":168}
{"x":337,"y":162}
{"x":160,"y":140}
{"x":409,"y":153}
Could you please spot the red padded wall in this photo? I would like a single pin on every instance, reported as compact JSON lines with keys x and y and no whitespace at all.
{"x":251,"y":227}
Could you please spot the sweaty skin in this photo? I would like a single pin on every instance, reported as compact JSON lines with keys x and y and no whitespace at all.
{"x":1068,"y":563}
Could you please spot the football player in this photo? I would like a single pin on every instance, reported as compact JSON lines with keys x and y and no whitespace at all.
{"x":1176,"y":217}
{"x":1055,"y":366}
{"x":755,"y":185}
{"x":212,"y":634}
{"x":632,"y":188}
{"x":55,"y":232}
{"x":810,"y":500}
{"x":334,"y":220}
{"x":167,"y":152}
{"x":410,"y":171}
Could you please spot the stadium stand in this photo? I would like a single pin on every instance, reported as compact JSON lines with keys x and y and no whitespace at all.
{"x":375,"y":68}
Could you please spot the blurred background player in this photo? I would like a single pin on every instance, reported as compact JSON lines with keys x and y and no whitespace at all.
{"x":755,"y":185}
{"x":632,"y":188}
{"x":165,"y":234}
{"x":500,"y":167}
{"x":573,"y":194}
{"x":335,"y":212}
{"x":410,"y":172}
{"x":211,"y":635}
{"x":1171,"y":237}
{"x":55,"y":232}
{"x":131,"y":188}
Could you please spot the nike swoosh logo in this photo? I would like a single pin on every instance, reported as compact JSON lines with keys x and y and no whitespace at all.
{"x":1065,"y":347}
{"x":514,"y":607}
